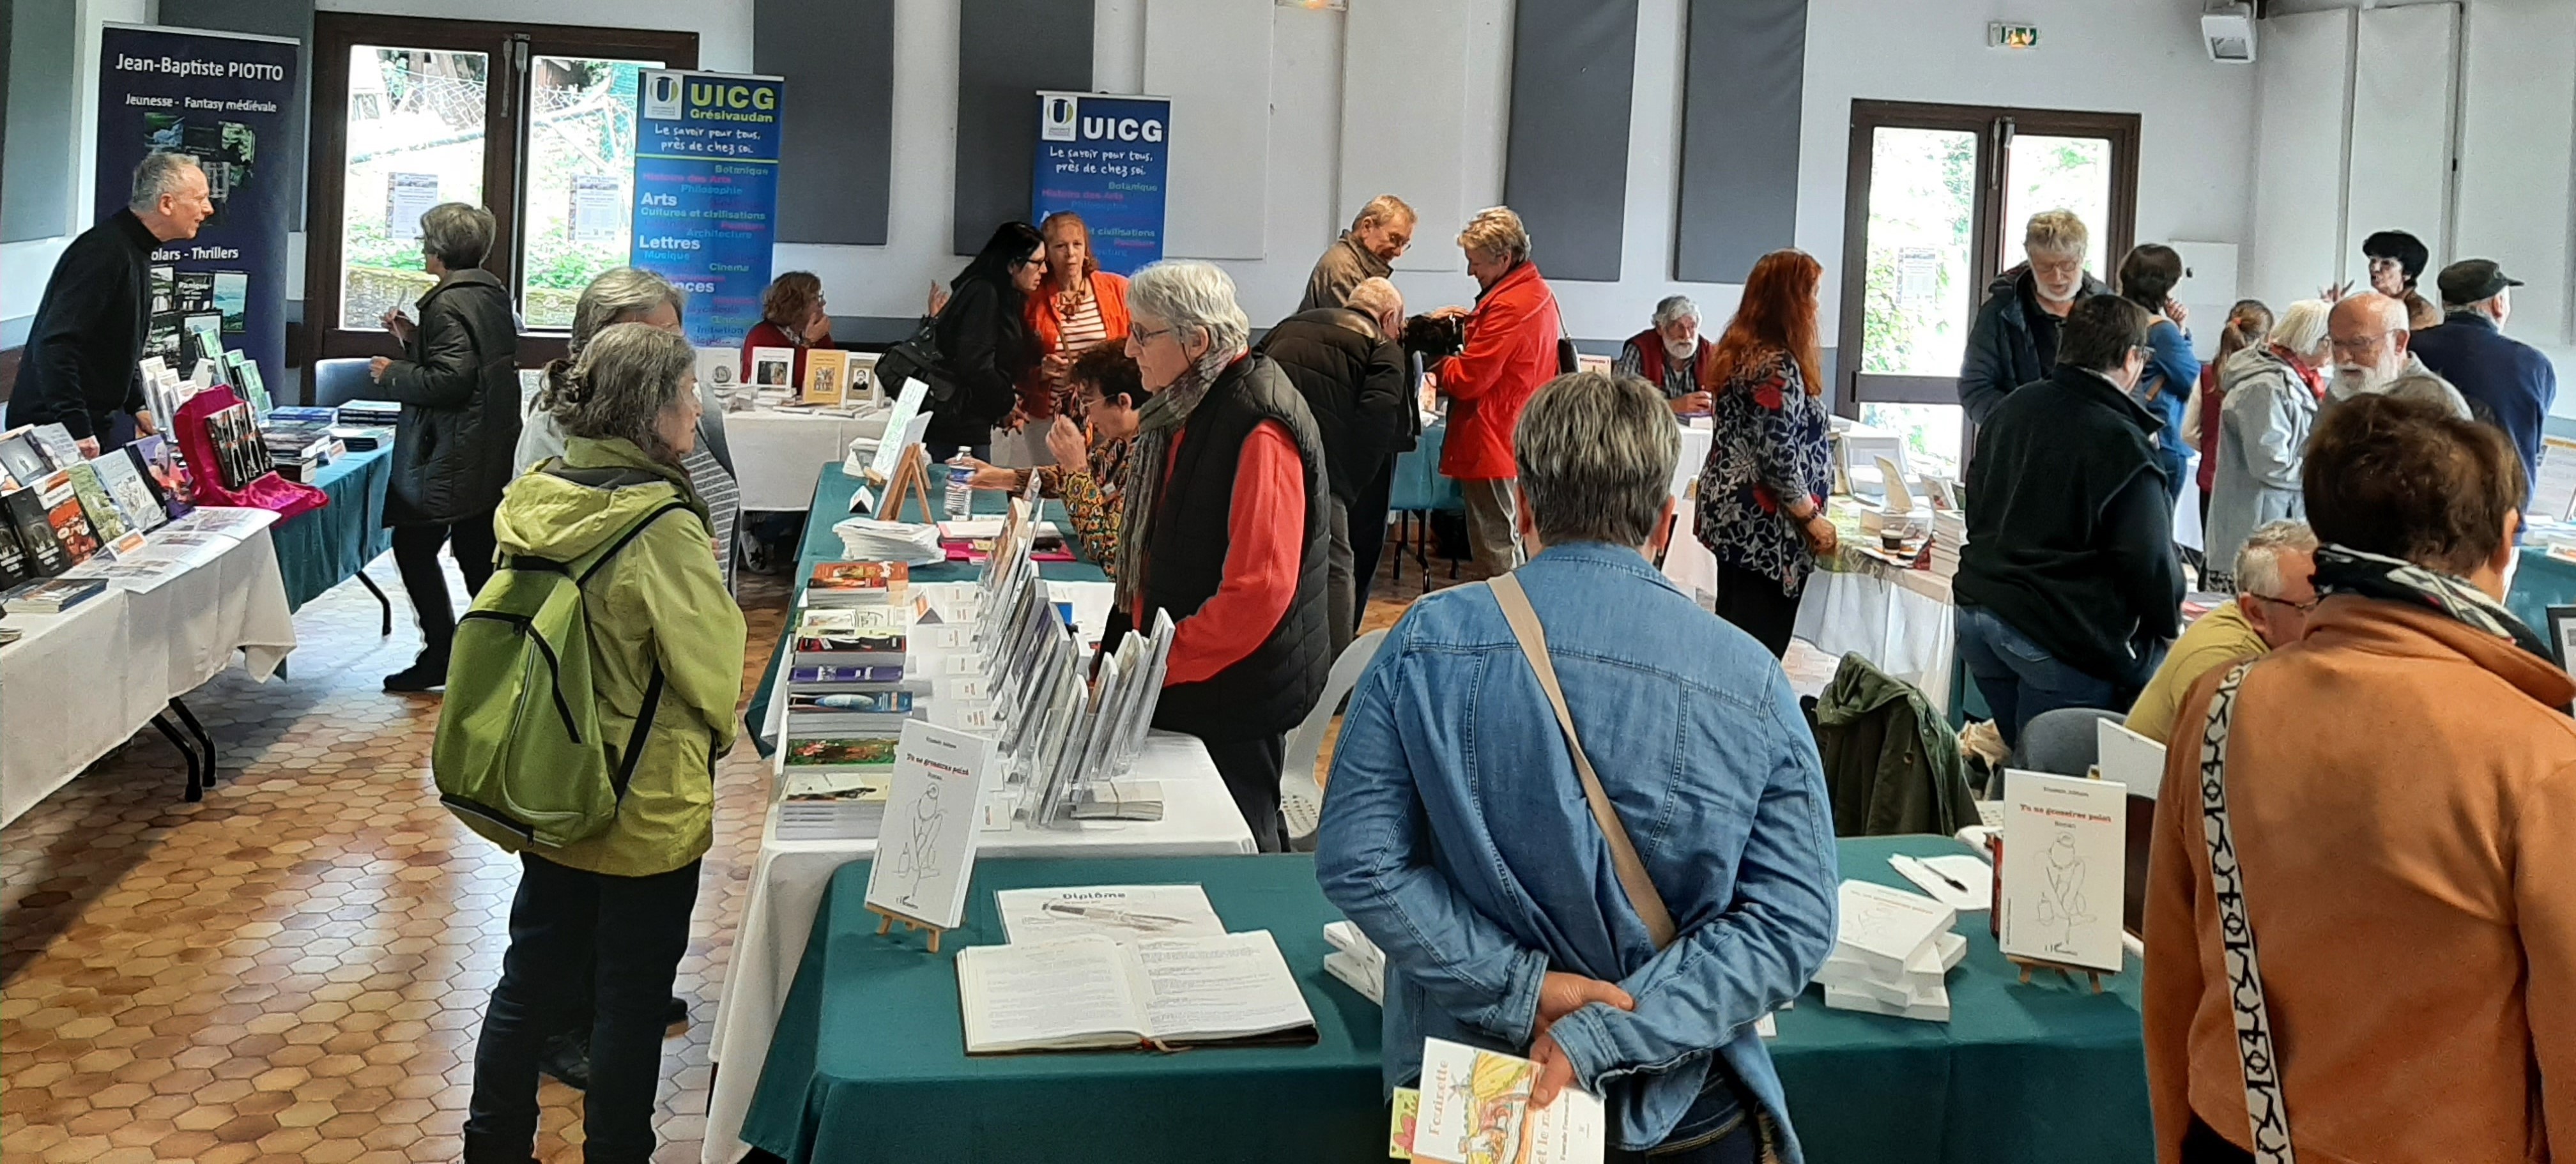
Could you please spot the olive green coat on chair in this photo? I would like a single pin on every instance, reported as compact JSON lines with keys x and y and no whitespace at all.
{"x":1891,"y":761}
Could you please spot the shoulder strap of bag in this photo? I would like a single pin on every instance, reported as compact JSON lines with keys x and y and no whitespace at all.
{"x":2265,"y":1111}
{"x":1623,"y":853}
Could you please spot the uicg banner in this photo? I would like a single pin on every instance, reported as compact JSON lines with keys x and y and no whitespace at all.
{"x":221,"y":98}
{"x":706,"y":193}
{"x":1106,"y":159}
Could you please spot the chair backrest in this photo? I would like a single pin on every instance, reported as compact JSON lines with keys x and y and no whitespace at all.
{"x":1568,"y":361}
{"x":2064,"y":742}
{"x":1306,"y":744}
{"x":337,"y":382}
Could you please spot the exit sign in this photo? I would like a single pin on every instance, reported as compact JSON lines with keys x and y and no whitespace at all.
{"x":2012,"y":36}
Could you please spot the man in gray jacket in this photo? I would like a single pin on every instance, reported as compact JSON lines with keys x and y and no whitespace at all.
{"x":1378,"y":237}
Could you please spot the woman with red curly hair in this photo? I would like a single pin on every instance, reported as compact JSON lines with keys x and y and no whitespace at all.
{"x":1762,"y":496}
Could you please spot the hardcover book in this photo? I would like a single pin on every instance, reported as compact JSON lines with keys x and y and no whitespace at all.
{"x":26,"y":510}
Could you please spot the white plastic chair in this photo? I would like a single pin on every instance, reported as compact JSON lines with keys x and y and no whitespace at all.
{"x":1301,"y":800}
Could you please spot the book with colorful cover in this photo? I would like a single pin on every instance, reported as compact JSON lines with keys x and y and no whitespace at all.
{"x":65,"y":521}
{"x":842,"y":751}
{"x":95,"y":502}
{"x":837,"y":676}
{"x":841,"y":583}
{"x":26,"y":509}
{"x":843,"y":634}
{"x":122,"y":474}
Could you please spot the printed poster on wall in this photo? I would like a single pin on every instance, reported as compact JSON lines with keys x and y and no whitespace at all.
{"x":706,"y":193}
{"x":1107,"y":159}
{"x":222,"y":98}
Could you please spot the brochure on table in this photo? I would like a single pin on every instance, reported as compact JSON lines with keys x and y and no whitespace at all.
{"x":2064,"y":861}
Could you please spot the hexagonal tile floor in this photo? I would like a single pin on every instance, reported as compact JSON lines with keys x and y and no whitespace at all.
{"x":295,"y":968}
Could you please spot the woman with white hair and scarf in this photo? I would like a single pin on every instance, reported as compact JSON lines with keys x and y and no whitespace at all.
{"x":1225,"y":529}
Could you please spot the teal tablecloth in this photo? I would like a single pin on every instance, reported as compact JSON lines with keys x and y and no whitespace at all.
{"x":1418,"y":485}
{"x":2540,"y":582}
{"x":321,"y":549}
{"x":832,"y":493}
{"x":869,"y":1063}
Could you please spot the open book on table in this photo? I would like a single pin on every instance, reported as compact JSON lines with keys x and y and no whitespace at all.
{"x":1092,"y":992}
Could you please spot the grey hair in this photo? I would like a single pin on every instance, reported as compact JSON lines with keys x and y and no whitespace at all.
{"x":1383,"y":208}
{"x":459,"y":233}
{"x":2302,"y":327}
{"x":1496,"y":230}
{"x":160,"y":172}
{"x":626,"y":377}
{"x":2258,"y":561}
{"x":618,"y":295}
{"x":2431,"y":389}
{"x":1187,"y":294}
{"x":1373,"y":297}
{"x":1675,"y":307}
{"x":1596,"y":455}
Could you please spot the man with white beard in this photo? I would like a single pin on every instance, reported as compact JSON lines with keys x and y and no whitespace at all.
{"x":1671,"y":356}
{"x":2368,"y":334}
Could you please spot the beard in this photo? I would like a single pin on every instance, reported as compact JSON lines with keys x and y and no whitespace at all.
{"x":1680,"y":351}
{"x":2352,"y":380}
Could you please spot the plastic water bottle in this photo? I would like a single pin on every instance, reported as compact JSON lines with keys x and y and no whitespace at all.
{"x":961,"y":494}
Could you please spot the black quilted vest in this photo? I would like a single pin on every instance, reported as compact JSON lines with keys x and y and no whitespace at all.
{"x":1269,"y":691}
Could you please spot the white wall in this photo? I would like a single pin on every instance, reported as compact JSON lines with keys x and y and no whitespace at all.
{"x":2125,"y":56}
{"x":25,"y":265}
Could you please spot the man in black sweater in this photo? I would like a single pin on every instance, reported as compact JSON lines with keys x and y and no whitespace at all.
{"x":78,"y":368}
{"x":2067,"y":588}
{"x":1345,"y":362}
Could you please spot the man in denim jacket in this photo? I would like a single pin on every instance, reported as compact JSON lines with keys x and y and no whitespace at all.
{"x":1456,"y":834}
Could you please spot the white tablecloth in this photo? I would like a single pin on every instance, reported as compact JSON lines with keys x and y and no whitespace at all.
{"x":83,"y":681}
{"x":1199,"y":820}
{"x":1899,"y":620}
{"x":1686,"y":561}
{"x":778,"y":455}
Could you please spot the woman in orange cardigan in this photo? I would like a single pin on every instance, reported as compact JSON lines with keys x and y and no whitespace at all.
{"x":1078,"y":308}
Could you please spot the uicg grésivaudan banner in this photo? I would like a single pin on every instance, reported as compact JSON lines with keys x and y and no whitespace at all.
{"x":706,"y":193}
{"x":1107,"y":159}
{"x":222,"y":98}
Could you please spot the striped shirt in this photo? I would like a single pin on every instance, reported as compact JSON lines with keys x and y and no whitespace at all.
{"x":723,"y":499}
{"x":1082,"y":330}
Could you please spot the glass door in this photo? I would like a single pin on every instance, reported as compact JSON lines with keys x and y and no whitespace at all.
{"x":1936,"y":198}
{"x":580,"y":181}
{"x":415,"y":131}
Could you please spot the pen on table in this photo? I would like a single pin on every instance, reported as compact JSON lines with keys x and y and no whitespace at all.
{"x":1946,"y":879}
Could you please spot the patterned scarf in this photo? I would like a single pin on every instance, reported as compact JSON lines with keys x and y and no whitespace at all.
{"x":1157,"y":425}
{"x":2343,"y":570}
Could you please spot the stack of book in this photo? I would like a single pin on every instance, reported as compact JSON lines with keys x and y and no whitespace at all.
{"x":1892,"y":954}
{"x":1949,"y":536}
{"x":362,"y":413}
{"x":300,"y":441}
{"x":847,"y":702}
{"x":837,"y":585}
{"x":1356,"y":961}
{"x":51,"y":595}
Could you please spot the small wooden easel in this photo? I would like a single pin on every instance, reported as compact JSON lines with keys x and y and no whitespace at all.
{"x":2027,"y":965}
{"x":911,"y":480}
{"x":886,"y":919}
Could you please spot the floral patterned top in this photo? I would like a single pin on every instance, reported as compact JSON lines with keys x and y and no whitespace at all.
{"x":1772,"y":441}
{"x":1091,"y":498}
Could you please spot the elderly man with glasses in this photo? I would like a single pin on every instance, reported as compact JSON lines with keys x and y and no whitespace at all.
{"x":2274,"y":593}
{"x":2014,"y":340}
{"x":2368,"y":338}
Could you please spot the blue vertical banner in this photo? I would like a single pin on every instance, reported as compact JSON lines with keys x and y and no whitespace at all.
{"x":706,"y":193}
{"x":1108,"y":160}
{"x":222,"y":98}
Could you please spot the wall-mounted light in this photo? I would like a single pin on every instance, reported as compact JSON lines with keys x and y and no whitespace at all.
{"x":1318,"y":5}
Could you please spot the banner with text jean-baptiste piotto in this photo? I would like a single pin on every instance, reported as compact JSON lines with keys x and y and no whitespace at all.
{"x":1106,"y":159}
{"x":223,"y":99}
{"x":706,"y":193}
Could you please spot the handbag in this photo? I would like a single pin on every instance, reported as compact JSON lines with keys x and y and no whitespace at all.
{"x":1642,"y":896}
{"x":2265,"y":1112}
{"x":917,"y":358}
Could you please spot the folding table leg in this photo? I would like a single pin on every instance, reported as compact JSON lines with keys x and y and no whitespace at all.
{"x":198,"y":730}
{"x":381,"y":600}
{"x":196,"y":782}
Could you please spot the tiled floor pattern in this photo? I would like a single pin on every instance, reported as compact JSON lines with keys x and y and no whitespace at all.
{"x":295,"y":968}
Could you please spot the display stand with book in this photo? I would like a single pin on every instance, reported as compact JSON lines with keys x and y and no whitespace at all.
{"x":910,"y":481}
{"x":2062,"y":874}
{"x":923,"y":864}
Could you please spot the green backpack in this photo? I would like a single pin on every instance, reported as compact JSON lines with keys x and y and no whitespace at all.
{"x":519,"y":755}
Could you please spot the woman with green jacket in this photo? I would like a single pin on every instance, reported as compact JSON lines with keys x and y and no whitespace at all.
{"x":663,"y":628}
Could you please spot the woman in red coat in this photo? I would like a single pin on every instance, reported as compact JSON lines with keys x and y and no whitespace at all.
{"x":1511,"y":350}
{"x":791,"y":316}
{"x":1078,"y":308}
